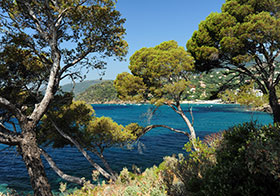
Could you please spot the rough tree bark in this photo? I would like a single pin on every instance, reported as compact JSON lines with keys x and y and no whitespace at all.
{"x":27,"y":147}
{"x":273,"y":102}
{"x":30,"y":153}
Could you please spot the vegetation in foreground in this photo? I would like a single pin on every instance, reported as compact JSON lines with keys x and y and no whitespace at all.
{"x":243,"y":38}
{"x":244,"y":160}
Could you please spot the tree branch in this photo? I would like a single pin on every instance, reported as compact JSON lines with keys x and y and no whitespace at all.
{"x":150,"y":127}
{"x":275,"y":56}
{"x":31,"y":44}
{"x":105,"y":163}
{"x":13,"y":124}
{"x":60,"y":16}
{"x":172,"y":107}
{"x":12,"y":108}
{"x":64,"y":176}
{"x":72,"y":75}
{"x":53,"y":82}
{"x":8,"y":137}
{"x":35,"y":19}
{"x":192,"y":116}
{"x":192,"y":136}
{"x":262,"y":71}
{"x":80,"y":148}
{"x":277,"y":80}
{"x":250,"y":74}
{"x":74,"y":62}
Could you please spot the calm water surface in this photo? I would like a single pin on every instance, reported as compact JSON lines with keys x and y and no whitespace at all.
{"x":152,"y":147}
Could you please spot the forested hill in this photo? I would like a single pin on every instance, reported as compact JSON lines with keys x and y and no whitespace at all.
{"x":79,"y":87}
{"x":202,"y":87}
{"x":103,"y":92}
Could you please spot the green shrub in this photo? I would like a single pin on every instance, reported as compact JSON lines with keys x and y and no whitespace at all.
{"x":244,"y":160}
{"x":247,"y":163}
{"x":183,"y":175}
{"x":149,"y":183}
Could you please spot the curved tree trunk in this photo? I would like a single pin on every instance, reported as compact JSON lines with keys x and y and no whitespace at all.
{"x":106,"y":164}
{"x":30,"y":153}
{"x":81,"y":149}
{"x":178,"y":109}
{"x":192,"y":136}
{"x":64,"y":176}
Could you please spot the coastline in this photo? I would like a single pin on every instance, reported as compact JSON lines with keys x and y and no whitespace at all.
{"x":266,"y":108}
{"x":215,"y":101}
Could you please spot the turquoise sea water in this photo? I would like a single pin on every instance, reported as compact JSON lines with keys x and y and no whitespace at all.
{"x":152,"y":147}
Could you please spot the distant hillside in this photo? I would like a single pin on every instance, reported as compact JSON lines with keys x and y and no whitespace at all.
{"x":202,"y":87}
{"x":79,"y":87}
{"x":99,"y":93}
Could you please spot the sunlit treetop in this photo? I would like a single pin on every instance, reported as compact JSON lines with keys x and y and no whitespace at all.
{"x":159,"y":74}
{"x":76,"y":28}
{"x":245,"y":32}
{"x":54,"y":39}
{"x":77,"y":119}
{"x":245,"y":38}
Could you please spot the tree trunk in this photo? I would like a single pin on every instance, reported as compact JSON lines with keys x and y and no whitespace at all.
{"x":81,"y":149}
{"x":107,"y":166}
{"x":179,"y":110}
{"x":30,"y":153}
{"x":192,"y":137}
{"x":274,"y":104}
{"x":64,"y":176}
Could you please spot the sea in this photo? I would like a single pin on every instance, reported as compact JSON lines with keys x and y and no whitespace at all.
{"x":148,"y":151}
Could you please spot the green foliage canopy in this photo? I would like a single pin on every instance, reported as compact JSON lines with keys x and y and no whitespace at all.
{"x":41,"y":43}
{"x":244,"y":37}
{"x":77,"y":119}
{"x":158,"y":74}
{"x":243,"y":32}
{"x":34,"y":40}
{"x":247,"y":162}
{"x":243,"y":160}
{"x":36,"y":35}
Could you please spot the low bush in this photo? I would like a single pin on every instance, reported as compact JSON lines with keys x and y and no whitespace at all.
{"x":244,"y":160}
{"x":247,"y":163}
{"x":149,"y":183}
{"x":184,"y":175}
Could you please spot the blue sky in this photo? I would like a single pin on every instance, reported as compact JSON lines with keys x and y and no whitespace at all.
{"x":150,"y":22}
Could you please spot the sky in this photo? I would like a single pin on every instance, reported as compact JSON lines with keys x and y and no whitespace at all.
{"x":151,"y":22}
